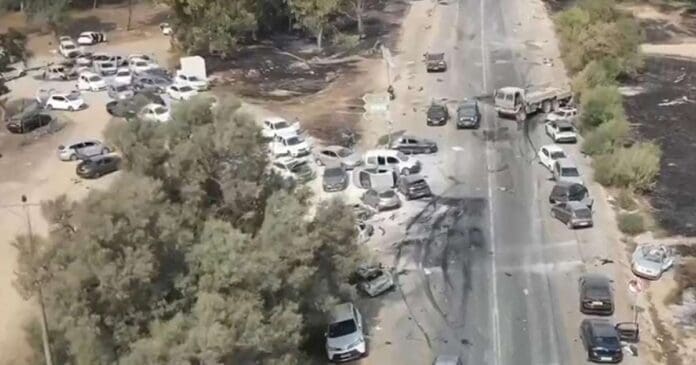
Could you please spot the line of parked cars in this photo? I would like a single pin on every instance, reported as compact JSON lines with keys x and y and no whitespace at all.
{"x":468,"y":114}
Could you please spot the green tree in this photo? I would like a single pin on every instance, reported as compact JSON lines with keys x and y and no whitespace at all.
{"x":52,"y":12}
{"x":12,"y":47}
{"x":314,"y":15}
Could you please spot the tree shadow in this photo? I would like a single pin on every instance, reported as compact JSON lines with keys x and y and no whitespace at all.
{"x":88,"y":23}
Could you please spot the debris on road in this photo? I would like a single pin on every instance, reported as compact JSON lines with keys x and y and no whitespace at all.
{"x":683,"y":100}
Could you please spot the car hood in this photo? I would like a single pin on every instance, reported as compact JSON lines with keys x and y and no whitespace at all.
{"x":643,"y":264}
{"x":344,"y":341}
{"x":334,"y":179}
{"x":575,"y":179}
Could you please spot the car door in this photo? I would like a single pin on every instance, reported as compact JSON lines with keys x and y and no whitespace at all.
{"x":392,"y":162}
{"x":328,"y":156}
{"x":559,"y":211}
{"x":544,"y":157}
{"x":88,"y":148}
{"x":413,"y":146}
{"x":549,"y":127}
{"x":358,"y":319}
{"x":58,"y":102}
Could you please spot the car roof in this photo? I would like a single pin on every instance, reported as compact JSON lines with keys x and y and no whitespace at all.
{"x":553,"y":148}
{"x":76,"y":141}
{"x":575,"y":205}
{"x":410,"y":136}
{"x":334,"y":148}
{"x":468,"y":103}
{"x":412,"y":178}
{"x":341,"y":312}
{"x":275,"y":119}
{"x":563,"y":123}
{"x":601,"y":327}
{"x":593,"y":279}
{"x":286,"y":159}
{"x":566,"y":162}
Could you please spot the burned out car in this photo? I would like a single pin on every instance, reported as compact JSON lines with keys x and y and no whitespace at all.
{"x":413,"y":145}
{"x":374,"y":279}
{"x":27,"y":117}
{"x":649,"y":261}
{"x":437,"y":114}
{"x":334,"y":179}
{"x":435,"y":62}
{"x":413,"y":187}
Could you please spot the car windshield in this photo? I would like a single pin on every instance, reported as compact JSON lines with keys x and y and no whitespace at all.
{"x":557,"y":155}
{"x":141,"y":63}
{"x":193,"y":78}
{"x":107,"y":65}
{"x":652,"y":254}
{"x":608,"y":342}
{"x":123,"y":73}
{"x":293,"y":141}
{"x":281,"y":125}
{"x":401,"y":156}
{"x":467,"y":109}
{"x":342,"y":328}
{"x":68,"y":46}
{"x":185,"y":89}
{"x":299,"y":167}
{"x":121,"y":87}
{"x":565,"y":128}
{"x":583,"y":213}
{"x":333,"y":172}
{"x":387,"y":194}
{"x":344,"y":152}
{"x":95,"y":78}
{"x":435,"y":56}
{"x":570,"y":172}
{"x":160,"y":110}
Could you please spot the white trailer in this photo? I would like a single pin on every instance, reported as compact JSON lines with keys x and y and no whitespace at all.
{"x":519,"y":102}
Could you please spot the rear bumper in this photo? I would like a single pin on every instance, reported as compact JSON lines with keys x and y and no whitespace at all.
{"x":612,"y":359}
{"x":584,"y":223}
{"x":604,"y":309}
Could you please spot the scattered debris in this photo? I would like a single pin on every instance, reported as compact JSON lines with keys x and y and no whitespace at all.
{"x":525,"y":291}
{"x":680,"y":78}
{"x":508,"y":274}
{"x":547,"y":61}
{"x":683,"y":100}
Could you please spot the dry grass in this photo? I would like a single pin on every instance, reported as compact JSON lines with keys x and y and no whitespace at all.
{"x":684,"y":276}
{"x":669,"y":347}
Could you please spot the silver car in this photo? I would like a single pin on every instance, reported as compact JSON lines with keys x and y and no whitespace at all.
{"x":564,"y":169}
{"x":344,"y":336}
{"x":374,"y":280}
{"x":81,"y":150}
{"x":381,"y":200}
{"x":650,"y":261}
{"x":334,"y":179}
{"x":337,"y":156}
{"x":573,"y":213}
{"x":120,"y":91}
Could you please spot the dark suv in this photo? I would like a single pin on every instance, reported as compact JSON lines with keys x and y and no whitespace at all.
{"x":437,"y":114}
{"x":413,"y":187}
{"x":27,"y":122}
{"x":564,"y":192}
{"x":96,"y":166}
{"x":468,"y":115}
{"x":601,"y":340}
{"x":596,"y":295}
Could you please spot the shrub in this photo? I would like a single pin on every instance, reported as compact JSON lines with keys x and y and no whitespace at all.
{"x":625,"y":200}
{"x":635,"y":167}
{"x":604,"y":138}
{"x":600,"y":105}
{"x":631,"y":223}
{"x":345,"y":42}
{"x":597,"y":73}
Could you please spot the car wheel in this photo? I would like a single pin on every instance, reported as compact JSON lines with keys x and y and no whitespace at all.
{"x":319,"y":162}
{"x":546,"y":106}
{"x":49,"y":106}
{"x":73,"y":157}
{"x":569,"y":223}
{"x":105,"y":150}
{"x":405,"y":171}
{"x":71,"y":108}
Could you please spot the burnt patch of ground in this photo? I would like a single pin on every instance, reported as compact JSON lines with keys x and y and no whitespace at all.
{"x":558,"y":5}
{"x":664,"y":113}
{"x":660,"y":31}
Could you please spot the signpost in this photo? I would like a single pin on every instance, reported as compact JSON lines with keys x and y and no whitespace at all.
{"x":636,"y":288}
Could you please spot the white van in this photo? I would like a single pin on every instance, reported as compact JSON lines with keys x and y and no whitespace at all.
{"x":396,"y":160}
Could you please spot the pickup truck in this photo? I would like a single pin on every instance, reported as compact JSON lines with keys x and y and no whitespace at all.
{"x":519,"y":102}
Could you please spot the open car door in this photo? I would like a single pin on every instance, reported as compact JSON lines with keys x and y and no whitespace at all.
{"x":628,"y":331}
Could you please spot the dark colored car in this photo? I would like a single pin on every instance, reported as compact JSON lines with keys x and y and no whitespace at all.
{"x":410,"y":144}
{"x":596,"y":295}
{"x":26,"y":123}
{"x":334,"y":179}
{"x":574,"y":214}
{"x":413,"y":187}
{"x":151,"y":83}
{"x":468,"y":115}
{"x":437,"y":114}
{"x":435,"y":62}
{"x":97,"y":166}
{"x":601,"y":341}
{"x":565,"y":191}
{"x":128,"y":108}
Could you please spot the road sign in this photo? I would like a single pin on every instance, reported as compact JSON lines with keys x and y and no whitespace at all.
{"x":636,"y":286}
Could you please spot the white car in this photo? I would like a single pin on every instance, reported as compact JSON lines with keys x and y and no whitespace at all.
{"x":100,"y":57}
{"x":561,"y":131}
{"x":345,"y":339}
{"x":549,"y":154}
{"x":123,"y":76}
{"x":91,"y":82}
{"x":68,"y":49}
{"x":84,"y":59}
{"x":275,"y":126}
{"x":155,"y":113}
{"x":292,"y":145}
{"x":89,"y":38}
{"x":65,"y":101}
{"x":106,"y":68}
{"x":292,"y":168}
{"x":75,"y":150}
{"x":181,"y":92}
{"x":191,"y":80}
{"x":396,"y":160}
{"x":141,"y":56}
{"x":563,"y":113}
{"x":649,"y":261}
{"x":139,"y":65}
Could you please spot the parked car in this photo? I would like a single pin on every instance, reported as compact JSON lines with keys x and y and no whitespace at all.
{"x":468,"y":114}
{"x":374,"y":279}
{"x":11,"y":72}
{"x":71,"y":101}
{"x":345,"y":339}
{"x":596,"y":294}
{"x":381,"y":200}
{"x":572,"y":213}
{"x":181,"y":92}
{"x":437,"y":114}
{"x":601,"y":340}
{"x":97,"y":166}
{"x":151,"y":83}
{"x":378,"y":178}
{"x":192,"y":81}
{"x":293,"y":145}
{"x":81,"y":149}
{"x":123,"y":76}
{"x":154,"y":113}
{"x":411,"y":145}
{"x":84,"y":59}
{"x":130,"y":107}
{"x":448,"y":360}
{"x":563,"y":113}
{"x":394,"y":159}
{"x":413,"y":187}
{"x":564,"y":169}
{"x":91,"y":82}
{"x":561,"y":131}
{"x":334,"y":179}
{"x":435,"y":62}
{"x":139,"y":65}
{"x":549,"y":154}
{"x":565,"y":191}
{"x":106,"y":68}
{"x":649,"y":261}
{"x":67,"y":48}
{"x":274,"y":126}
{"x":58,"y":72}
{"x":27,"y":122}
{"x":100,"y":57}
{"x":120,"y":91}
{"x":89,"y":38}
{"x":293,"y":168}
{"x":337,"y":156}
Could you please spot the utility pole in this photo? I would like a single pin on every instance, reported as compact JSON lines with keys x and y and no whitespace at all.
{"x":39,"y":292}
